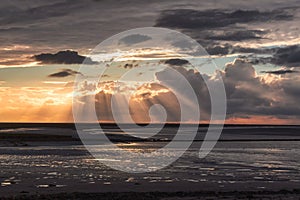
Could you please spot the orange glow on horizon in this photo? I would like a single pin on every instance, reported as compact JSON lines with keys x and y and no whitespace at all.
{"x":54,"y":104}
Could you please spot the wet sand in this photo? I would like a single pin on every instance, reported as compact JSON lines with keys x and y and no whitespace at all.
{"x":57,"y":166}
{"x":270,"y":195}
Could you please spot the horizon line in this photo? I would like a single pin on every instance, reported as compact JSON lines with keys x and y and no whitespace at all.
{"x":145,"y":124}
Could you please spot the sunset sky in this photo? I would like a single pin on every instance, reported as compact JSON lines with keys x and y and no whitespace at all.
{"x":254,"y":44}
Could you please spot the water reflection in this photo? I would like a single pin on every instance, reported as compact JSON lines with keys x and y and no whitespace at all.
{"x":229,"y":163}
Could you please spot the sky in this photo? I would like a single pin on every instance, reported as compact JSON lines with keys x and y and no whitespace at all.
{"x":255,"y":46}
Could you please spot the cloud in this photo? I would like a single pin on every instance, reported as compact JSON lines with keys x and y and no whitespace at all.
{"x":287,"y":56}
{"x":220,"y":31}
{"x":38,"y":11}
{"x":244,"y":71}
{"x":178,"y":84}
{"x":237,"y":35}
{"x":63,"y":57}
{"x":240,"y":49}
{"x":134,"y":39}
{"x":248,"y":94}
{"x":226,"y":48}
{"x":268,"y":95}
{"x":86,"y":23}
{"x":214,"y":47}
{"x":218,"y":49}
{"x":64,"y":73}
{"x":145,"y":95}
{"x":176,"y":62}
{"x":280,"y":72}
{"x":128,"y":65}
{"x":211,"y":19}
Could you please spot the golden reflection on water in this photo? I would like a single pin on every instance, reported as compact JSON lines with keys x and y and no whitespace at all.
{"x":141,"y":147}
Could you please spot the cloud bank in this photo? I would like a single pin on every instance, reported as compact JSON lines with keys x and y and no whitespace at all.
{"x":209,"y":19}
{"x":272,"y":96}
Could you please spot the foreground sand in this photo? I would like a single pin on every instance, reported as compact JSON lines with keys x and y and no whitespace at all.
{"x":282,"y":195}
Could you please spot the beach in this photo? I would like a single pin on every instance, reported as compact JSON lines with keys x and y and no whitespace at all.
{"x":59,"y":166}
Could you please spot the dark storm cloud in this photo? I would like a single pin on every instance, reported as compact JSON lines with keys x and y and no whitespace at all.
{"x":83,"y":24}
{"x":176,"y":62}
{"x":218,"y":49}
{"x":280,"y":72}
{"x":134,"y":39}
{"x":63,"y":57}
{"x":287,"y":56}
{"x":18,"y":14}
{"x":64,"y":73}
{"x":212,"y":27}
{"x":72,"y":24}
{"x":211,"y":19}
{"x":248,"y":94}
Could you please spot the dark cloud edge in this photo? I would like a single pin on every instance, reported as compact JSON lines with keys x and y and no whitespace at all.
{"x":63,"y":57}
